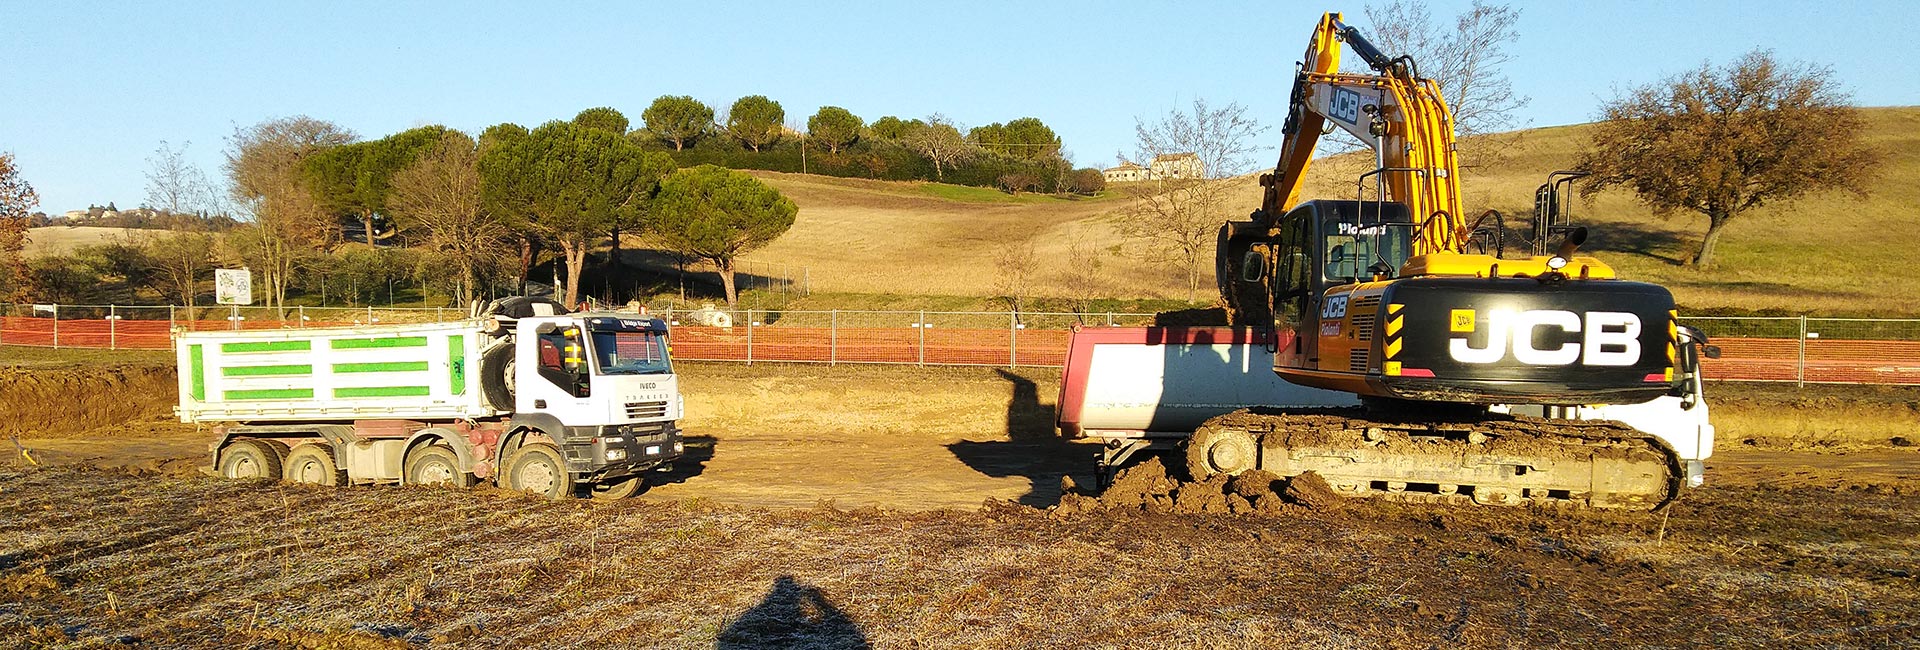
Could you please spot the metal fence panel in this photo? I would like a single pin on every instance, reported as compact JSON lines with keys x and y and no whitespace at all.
{"x":1796,"y":349}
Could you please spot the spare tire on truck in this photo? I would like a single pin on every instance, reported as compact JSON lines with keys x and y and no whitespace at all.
{"x":496,"y":375}
{"x":524,"y":307}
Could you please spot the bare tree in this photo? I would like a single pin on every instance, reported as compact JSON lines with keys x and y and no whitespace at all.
{"x":1016,"y":263}
{"x":1224,"y":138}
{"x":1721,"y":141}
{"x":175,"y":185}
{"x":1180,"y":215}
{"x":1467,"y":61}
{"x":178,"y":262}
{"x":439,"y":195}
{"x":940,"y":141}
{"x":263,"y":167}
{"x":1080,"y":274}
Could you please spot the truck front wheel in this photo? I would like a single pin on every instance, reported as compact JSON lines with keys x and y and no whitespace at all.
{"x":619,"y":488}
{"x":436,"y":465}
{"x":313,"y":464}
{"x":539,"y":469}
{"x":249,"y":459}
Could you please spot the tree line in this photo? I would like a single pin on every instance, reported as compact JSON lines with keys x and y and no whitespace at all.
{"x":433,"y":203}
{"x":1021,"y":155}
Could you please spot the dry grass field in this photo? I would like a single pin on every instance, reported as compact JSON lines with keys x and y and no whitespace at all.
{"x":888,"y":245}
{"x":841,"y":507}
{"x":1829,"y":253}
{"x":104,"y":558}
{"x":61,"y":240}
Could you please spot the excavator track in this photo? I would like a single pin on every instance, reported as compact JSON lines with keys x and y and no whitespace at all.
{"x":1483,"y":459}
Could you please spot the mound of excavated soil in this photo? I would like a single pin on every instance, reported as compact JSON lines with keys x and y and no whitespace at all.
{"x":67,"y":402}
{"x":1148,"y":488}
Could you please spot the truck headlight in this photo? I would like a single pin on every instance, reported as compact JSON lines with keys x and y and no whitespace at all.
{"x":679,"y":446}
{"x":616,"y":454}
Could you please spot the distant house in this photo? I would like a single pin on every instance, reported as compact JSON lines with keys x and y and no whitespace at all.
{"x":1176,"y":165}
{"x":1171,"y":165}
{"x":1127,"y":172}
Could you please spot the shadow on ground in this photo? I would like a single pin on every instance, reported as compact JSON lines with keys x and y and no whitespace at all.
{"x":691,"y":463}
{"x":792,"y":615}
{"x":1033,"y":449}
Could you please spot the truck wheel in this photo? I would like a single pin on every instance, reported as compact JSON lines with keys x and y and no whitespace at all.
{"x":619,"y":488}
{"x":313,"y":464}
{"x":496,"y":376}
{"x":249,"y":459}
{"x":538,"y":468}
{"x":1220,"y":451}
{"x":435,"y":465}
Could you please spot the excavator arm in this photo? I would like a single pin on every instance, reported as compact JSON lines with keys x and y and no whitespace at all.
{"x":1398,"y":115}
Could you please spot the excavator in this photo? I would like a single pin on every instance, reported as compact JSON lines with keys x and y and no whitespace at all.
{"x":1448,"y":350}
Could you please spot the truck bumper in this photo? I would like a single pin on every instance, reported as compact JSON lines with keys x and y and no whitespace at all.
{"x":617,"y":452}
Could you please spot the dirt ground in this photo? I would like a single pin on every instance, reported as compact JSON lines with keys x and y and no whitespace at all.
{"x":843,"y":507}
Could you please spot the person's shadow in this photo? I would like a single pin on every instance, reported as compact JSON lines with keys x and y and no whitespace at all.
{"x":1033,"y":449}
{"x":792,"y":615}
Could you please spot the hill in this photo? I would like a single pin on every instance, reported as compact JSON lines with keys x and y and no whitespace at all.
{"x":1832,"y":253}
{"x":1829,"y":254}
{"x":60,"y":240}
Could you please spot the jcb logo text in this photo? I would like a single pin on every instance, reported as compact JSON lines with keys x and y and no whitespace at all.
{"x":1607,"y":338}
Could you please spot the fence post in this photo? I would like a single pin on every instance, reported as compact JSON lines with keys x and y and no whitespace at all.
{"x":1013,"y":339}
{"x":923,"y":336}
{"x":1109,"y":319}
{"x":113,"y":328}
{"x":170,"y":321}
{"x":1800,"y":367}
{"x":369,"y":312}
{"x":439,"y":315}
{"x":56,"y":326}
{"x":833,"y":338}
{"x":300,"y":312}
{"x":749,"y":337}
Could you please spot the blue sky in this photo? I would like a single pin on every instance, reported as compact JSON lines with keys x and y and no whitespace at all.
{"x":88,"y":90}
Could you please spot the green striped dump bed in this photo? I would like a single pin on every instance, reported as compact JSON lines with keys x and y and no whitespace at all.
{"x":420,"y":371}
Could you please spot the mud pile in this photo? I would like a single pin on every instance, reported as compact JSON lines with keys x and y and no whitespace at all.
{"x":1148,"y":488}
{"x":67,"y":402}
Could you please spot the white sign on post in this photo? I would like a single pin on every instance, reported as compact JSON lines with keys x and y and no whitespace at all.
{"x":233,"y":286}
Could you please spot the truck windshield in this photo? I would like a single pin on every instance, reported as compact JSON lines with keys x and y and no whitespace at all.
{"x":631,"y":353}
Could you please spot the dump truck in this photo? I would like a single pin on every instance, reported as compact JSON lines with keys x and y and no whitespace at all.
{"x":521,"y":394}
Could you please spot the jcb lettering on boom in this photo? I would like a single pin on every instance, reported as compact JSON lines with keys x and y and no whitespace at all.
{"x":1607,"y":338}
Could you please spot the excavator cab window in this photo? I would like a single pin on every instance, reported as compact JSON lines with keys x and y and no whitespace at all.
{"x":1352,"y":251}
{"x":1294,"y":252}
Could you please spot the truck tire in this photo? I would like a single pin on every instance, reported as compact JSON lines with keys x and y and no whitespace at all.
{"x":1220,"y":451}
{"x":244,"y":459}
{"x":496,"y":376}
{"x":312,"y":464}
{"x":435,"y":465}
{"x":539,"y":469}
{"x":619,"y":488}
